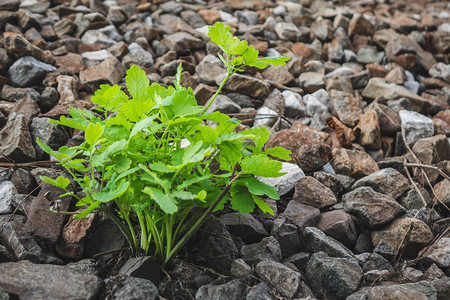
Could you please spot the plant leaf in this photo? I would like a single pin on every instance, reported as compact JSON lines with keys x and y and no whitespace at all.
{"x":105,"y":197}
{"x":165,"y":201}
{"x":279,"y":152}
{"x":261,"y":165}
{"x":241,"y":200}
{"x":263,"y":206}
{"x":137,"y":82}
{"x":94,"y":132}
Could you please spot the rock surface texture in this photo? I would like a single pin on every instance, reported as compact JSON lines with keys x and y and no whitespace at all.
{"x":363,"y":104}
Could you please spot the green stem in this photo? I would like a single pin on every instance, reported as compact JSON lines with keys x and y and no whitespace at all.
{"x":229,"y":73}
{"x":121,"y":226}
{"x":199,"y":222}
{"x":130,"y":227}
{"x":144,"y":244}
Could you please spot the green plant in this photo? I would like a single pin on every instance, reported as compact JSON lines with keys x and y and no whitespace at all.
{"x":135,"y":167}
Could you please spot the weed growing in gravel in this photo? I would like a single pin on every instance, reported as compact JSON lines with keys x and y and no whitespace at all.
{"x":148,"y":162}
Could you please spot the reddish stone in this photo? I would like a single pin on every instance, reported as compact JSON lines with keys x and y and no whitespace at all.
{"x":407,"y":60}
{"x":376,"y":70}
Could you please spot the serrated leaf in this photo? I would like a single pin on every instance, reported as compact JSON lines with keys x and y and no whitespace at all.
{"x":261,"y":165}
{"x":250,"y":56}
{"x":141,"y":125}
{"x":241,"y":200}
{"x":137,"y":82}
{"x":231,"y":151}
{"x":274,"y":61}
{"x":60,"y":182}
{"x":183,"y":103}
{"x":80,"y":124}
{"x":263,"y":206}
{"x":93,"y":133}
{"x":133,"y":109}
{"x":109,"y":97}
{"x":259,"y":188}
{"x":279,"y":152}
{"x":165,"y":201}
{"x":88,"y":210}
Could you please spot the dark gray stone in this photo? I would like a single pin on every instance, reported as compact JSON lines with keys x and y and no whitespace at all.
{"x":333,"y":278}
{"x":144,"y":267}
{"x":267,"y":249}
{"x":28,"y":71}
{"x":317,"y":241}
{"x":387,"y":181}
{"x":287,"y":236}
{"x":42,"y":281}
{"x":53,"y":135}
{"x":283,"y":279}
{"x":234,"y":289}
{"x":130,"y":288}
{"x":245,"y":226}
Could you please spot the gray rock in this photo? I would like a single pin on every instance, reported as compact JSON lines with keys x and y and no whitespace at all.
{"x":85,"y":266}
{"x":49,"y":98}
{"x":234,"y":289}
{"x":333,"y":278}
{"x":314,"y":106}
{"x":259,"y":292}
{"x":275,"y":102}
{"x":97,"y":37}
{"x":387,"y":181}
{"x":286,"y":235}
{"x":386,"y":250}
{"x":129,"y":288}
{"x":244,"y":226}
{"x":287,"y":31}
{"x":369,"y":55}
{"x":353,"y":163}
{"x":224,"y":105}
{"x":338,"y":183}
{"x":209,"y":68}
{"x":137,"y":56}
{"x":267,"y":249}
{"x":371,"y":208}
{"x":240,"y":269}
{"x":439,"y":253}
{"x":285,"y":280}
{"x":23,"y":181}
{"x":412,"y":200}
{"x":41,"y":281}
{"x":50,"y":134}
{"x":7,"y":194}
{"x":284,"y":183}
{"x":28,"y":71}
{"x":416,"y":126}
{"x":440,"y":70}
{"x":182,"y":40}
{"x":412,"y":86}
{"x":317,"y":241}
{"x":376,"y":262}
{"x":265,"y":117}
{"x":442,"y":286}
{"x":96,"y":55}
{"x":345,"y":107}
{"x":311,"y":81}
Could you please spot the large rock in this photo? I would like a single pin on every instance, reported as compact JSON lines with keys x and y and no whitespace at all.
{"x":378,"y":86}
{"x":419,"y":235}
{"x":416,"y":126}
{"x":182,"y":40}
{"x":128,"y":288}
{"x":279,"y":74}
{"x":369,"y":130}
{"x":310,"y":191}
{"x":110,"y":71}
{"x":15,"y":139}
{"x":308,"y":147}
{"x":389,"y":120}
{"x":245,"y":226}
{"x":419,"y":291}
{"x":317,"y":241}
{"x":439,"y":253}
{"x":53,"y":135}
{"x":354,"y":163}
{"x":371,"y":208}
{"x":244,"y":84}
{"x":209,"y":68}
{"x":35,"y":281}
{"x":339,"y":225}
{"x":311,"y":81}
{"x":137,"y":56}
{"x":28,"y":71}
{"x":301,"y":215}
{"x":267,"y":249}
{"x":45,"y":225}
{"x":233,"y":289}
{"x":7,"y":193}
{"x":18,"y":46}
{"x":285,"y":280}
{"x":333,"y":278}
{"x":387,"y":181}
{"x":287,"y":236}
{"x":345,"y":107}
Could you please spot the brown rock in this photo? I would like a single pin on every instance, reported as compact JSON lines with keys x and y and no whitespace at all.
{"x":390,"y":122}
{"x":203,"y":92}
{"x":301,"y":215}
{"x":74,"y":236}
{"x":44,"y":224}
{"x":431,"y":150}
{"x":301,"y":49}
{"x":371,"y":208}
{"x":246,"y":85}
{"x":396,"y":75}
{"x":308,"y":151}
{"x":339,"y":225}
{"x":441,"y":127}
{"x":182,"y":40}
{"x":210,"y":16}
{"x":406,"y":61}
{"x":397,"y":291}
{"x":17,"y":46}
{"x":369,"y":130}
{"x":279,"y":74}
{"x":442,"y":192}
{"x":15,"y":139}
{"x":360,"y":26}
{"x":310,"y":191}
{"x":71,"y":61}
{"x":418,"y":236}
{"x":109,"y":71}
{"x":354,"y":163}
{"x":403,"y":44}
{"x":376,"y":70}
{"x":248,"y":4}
